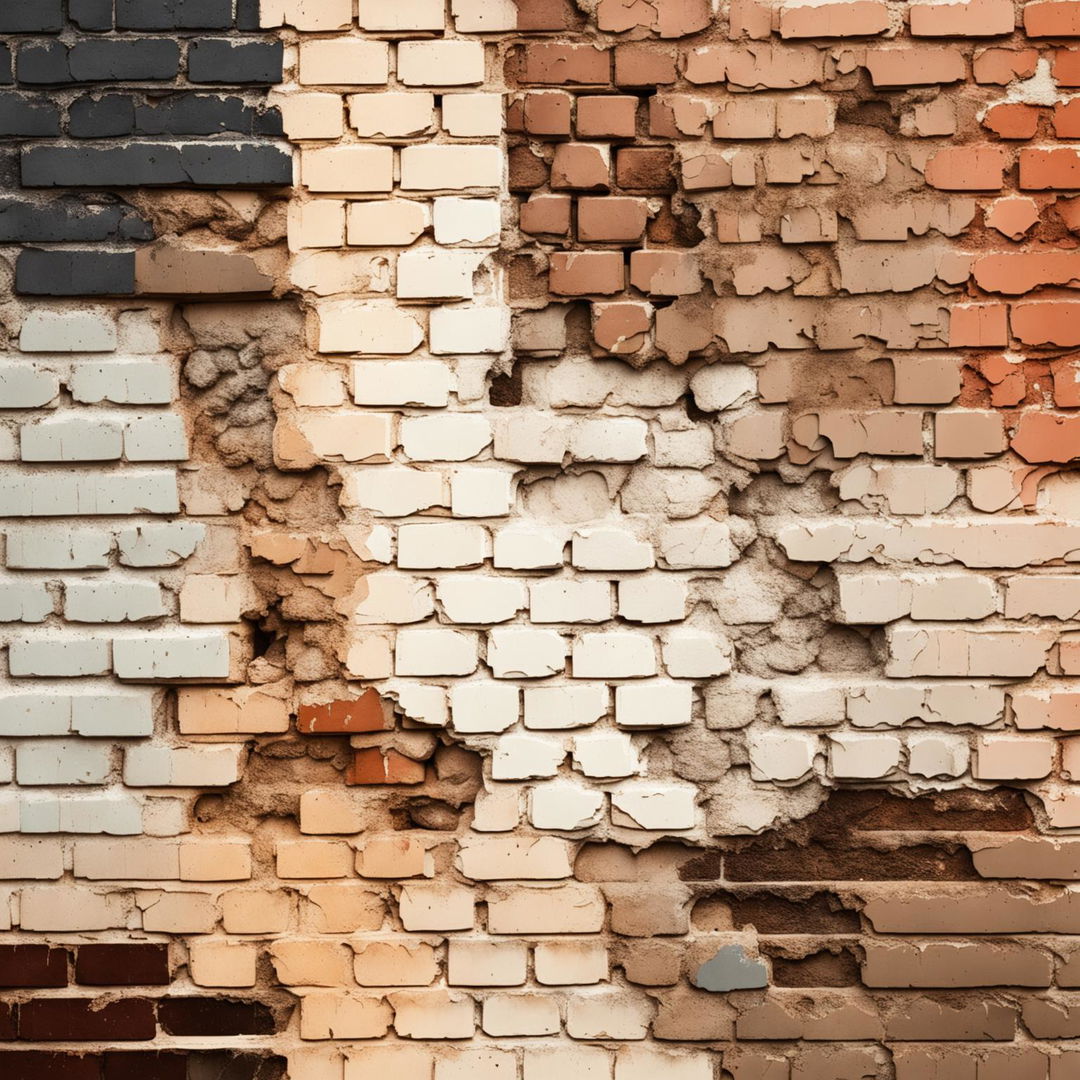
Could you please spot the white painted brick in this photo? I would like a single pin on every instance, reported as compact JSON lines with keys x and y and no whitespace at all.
{"x":75,"y":493}
{"x":62,"y":762}
{"x":781,"y":755}
{"x":695,"y":654}
{"x":432,"y":273}
{"x":394,"y":598}
{"x":605,"y":754}
{"x":654,"y":598}
{"x":172,"y":766}
{"x":393,"y":491}
{"x":111,"y":814}
{"x":113,"y":601}
{"x":523,"y":652}
{"x":656,"y":704}
{"x":480,"y":493}
{"x":71,"y":908}
{"x":484,"y":706}
{"x":445,"y":438}
{"x":436,"y":652}
{"x":553,"y":708}
{"x":533,"y":437}
{"x":7,"y":765}
{"x":67,"y":438}
{"x":124,"y":382}
{"x":202,"y":655}
{"x":353,"y":326}
{"x":55,"y":547}
{"x":469,"y":331}
{"x":615,"y":439}
{"x":524,"y":757}
{"x":478,"y":599}
{"x":24,"y":601}
{"x":653,"y":806}
{"x":442,"y":546}
{"x":570,"y":601}
{"x":156,"y":438}
{"x":12,"y":808}
{"x":23,"y":714}
{"x":524,"y":547}
{"x":23,"y":386}
{"x":59,"y":659}
{"x":610,"y":549}
{"x":68,"y":332}
{"x":857,"y":755}
{"x":707,"y":545}
{"x":566,"y":806}
{"x":613,"y":655}
{"x":117,"y":714}
{"x":159,"y":544}
{"x":401,"y":382}
{"x":466,"y":221}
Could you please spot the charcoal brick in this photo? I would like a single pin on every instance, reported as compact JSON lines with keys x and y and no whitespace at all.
{"x":6,"y":78}
{"x":38,"y":65}
{"x":74,"y":273}
{"x":91,"y":14}
{"x":136,"y":964}
{"x":207,"y":1016}
{"x":69,"y":219}
{"x":219,"y":60}
{"x":104,"y":61}
{"x":157,"y":165}
{"x":32,"y":966}
{"x":173,"y":14}
{"x":86,"y":1019}
{"x":247,"y":15}
{"x":28,"y":116}
{"x":31,"y":16}
{"x":109,"y":116}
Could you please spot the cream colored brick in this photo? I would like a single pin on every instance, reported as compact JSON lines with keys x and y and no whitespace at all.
{"x":401,"y":962}
{"x":566,"y":909}
{"x":472,"y":115}
{"x":496,"y":858}
{"x":311,"y":963}
{"x":222,"y":963}
{"x":397,"y":1062}
{"x":484,"y":16}
{"x":311,"y":116}
{"x":478,"y":1064}
{"x":395,"y":223}
{"x":256,"y":911}
{"x":486,"y":963}
{"x":393,"y":115}
{"x":580,"y":1062}
{"x":71,"y":908}
{"x":177,"y":912}
{"x":348,"y":168}
{"x":330,"y":810}
{"x":440,"y":63}
{"x":401,"y":15}
{"x":352,"y":326}
{"x":344,"y":62}
{"x":343,"y":1016}
{"x":432,"y":273}
{"x":306,"y":14}
{"x":438,"y":906}
{"x":316,"y":224}
{"x":314,"y":859}
{"x":448,"y":168}
{"x":208,"y":860}
{"x":570,"y":963}
{"x":433,"y":1014}
{"x":342,"y":908}
{"x":516,"y":1015}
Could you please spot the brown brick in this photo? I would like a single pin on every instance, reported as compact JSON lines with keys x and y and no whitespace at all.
{"x":822,"y":968}
{"x":365,"y":713}
{"x":32,"y":966}
{"x":87,"y":1019}
{"x":587,"y":273}
{"x":605,"y":117}
{"x":644,"y":65}
{"x":581,"y":167}
{"x":546,"y":214}
{"x":645,"y":169}
{"x":552,"y":64}
{"x":146,"y":1065}
{"x":209,"y":1016}
{"x":122,"y":965}
{"x":46,"y":1065}
{"x":528,"y":171}
{"x":547,"y":112}
{"x":611,"y":220}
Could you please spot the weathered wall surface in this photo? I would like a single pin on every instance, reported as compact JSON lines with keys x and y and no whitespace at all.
{"x":566,"y":569}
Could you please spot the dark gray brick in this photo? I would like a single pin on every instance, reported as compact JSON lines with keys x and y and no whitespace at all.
{"x":174,"y":14}
{"x":110,"y":116}
{"x":75,"y":273}
{"x":28,"y":116}
{"x":247,"y":15}
{"x":157,"y":165}
{"x":5,"y":66}
{"x":70,"y":219}
{"x":43,"y":64}
{"x":100,"y":61}
{"x":219,"y":60}
{"x":31,"y":16}
{"x":91,"y":14}
{"x":199,"y":114}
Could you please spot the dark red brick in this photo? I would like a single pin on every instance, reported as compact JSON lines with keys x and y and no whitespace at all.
{"x":122,"y":965}
{"x":44,"y":1065}
{"x":215,"y":1017}
{"x":146,"y":1065}
{"x":85,"y":1019}
{"x":33,"y":966}
{"x":8,"y":1021}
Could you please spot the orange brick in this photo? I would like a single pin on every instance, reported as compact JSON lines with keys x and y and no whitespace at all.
{"x":1013,"y":120}
{"x":365,"y":713}
{"x":967,"y":168}
{"x":1046,"y":322}
{"x":860,"y":18}
{"x":372,"y":766}
{"x":1052,"y":18}
{"x":1042,"y":170}
{"x":1042,"y":437}
{"x":977,"y":18}
{"x":1000,"y":66}
{"x":914,"y":66}
{"x":1066,"y":67}
{"x":974,"y":325}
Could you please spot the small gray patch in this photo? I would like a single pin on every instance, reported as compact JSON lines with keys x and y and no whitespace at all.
{"x":732,"y":969}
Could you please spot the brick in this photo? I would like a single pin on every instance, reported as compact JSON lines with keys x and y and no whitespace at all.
{"x":37,"y":966}
{"x":75,"y":273}
{"x":214,"y":1017}
{"x":173,"y":15}
{"x":84,"y":1019}
{"x":122,"y":965}
{"x":222,"y":61}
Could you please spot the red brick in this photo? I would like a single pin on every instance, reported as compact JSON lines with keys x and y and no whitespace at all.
{"x":1066,"y":67}
{"x":1042,"y":437}
{"x":1052,"y":18}
{"x":999,"y":67}
{"x":1067,"y":119}
{"x":546,"y":215}
{"x":1013,"y":120}
{"x":1056,"y":169}
{"x":372,"y":766}
{"x":1046,"y":322}
{"x":669,"y":18}
{"x":915,"y":66}
{"x":365,"y":713}
{"x":975,"y":325}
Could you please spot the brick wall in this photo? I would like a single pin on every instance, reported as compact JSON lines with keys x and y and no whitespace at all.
{"x":579,"y":582}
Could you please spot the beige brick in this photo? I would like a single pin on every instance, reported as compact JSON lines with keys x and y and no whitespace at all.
{"x":311,"y":963}
{"x":350,"y":169}
{"x":222,"y":963}
{"x":344,"y":62}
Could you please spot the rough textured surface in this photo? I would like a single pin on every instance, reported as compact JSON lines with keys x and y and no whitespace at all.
{"x":578,"y":584}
